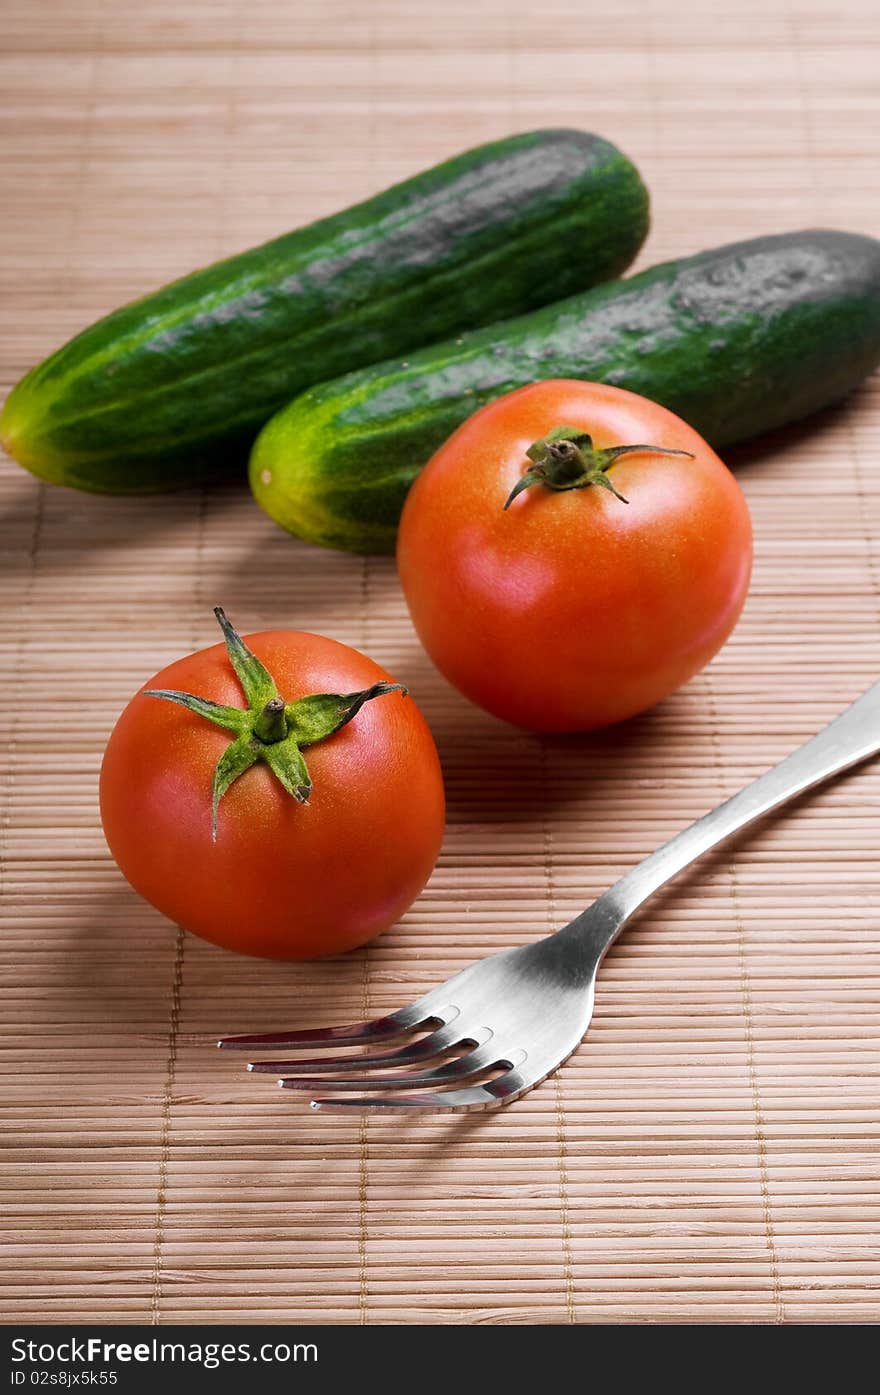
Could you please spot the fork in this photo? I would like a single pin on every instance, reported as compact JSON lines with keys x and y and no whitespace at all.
{"x":523,"y":1011}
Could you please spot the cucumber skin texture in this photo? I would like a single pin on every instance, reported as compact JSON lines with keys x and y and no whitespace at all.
{"x":173,"y":388}
{"x":736,"y":341}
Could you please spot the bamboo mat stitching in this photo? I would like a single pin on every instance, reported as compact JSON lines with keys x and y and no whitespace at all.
{"x":651,"y":84}
{"x":165,"y":1131}
{"x":748,"y":1024}
{"x":18,"y":663}
{"x":511,"y":48}
{"x":177,"y":982}
{"x":760,"y":1137}
{"x":562,"y":1153}
{"x":809,"y":143}
{"x":873,"y":560}
{"x":79,"y":201}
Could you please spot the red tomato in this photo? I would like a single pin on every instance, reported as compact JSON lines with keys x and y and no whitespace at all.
{"x":571,"y":609}
{"x":284,"y":879}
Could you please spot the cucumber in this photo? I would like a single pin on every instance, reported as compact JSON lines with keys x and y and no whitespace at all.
{"x":173,"y":388}
{"x":736,"y":341}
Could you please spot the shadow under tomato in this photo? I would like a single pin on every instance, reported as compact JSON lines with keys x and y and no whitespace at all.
{"x":498,"y":773}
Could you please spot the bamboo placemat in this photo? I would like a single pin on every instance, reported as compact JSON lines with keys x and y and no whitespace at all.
{"x":711,"y":1151}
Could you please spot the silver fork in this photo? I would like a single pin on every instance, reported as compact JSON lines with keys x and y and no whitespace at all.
{"x":524,"y":1011}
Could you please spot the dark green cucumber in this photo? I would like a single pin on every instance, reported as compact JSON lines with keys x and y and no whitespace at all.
{"x":736,"y":341}
{"x":173,"y":388}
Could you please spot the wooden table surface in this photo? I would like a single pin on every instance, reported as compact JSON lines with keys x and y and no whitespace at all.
{"x":711,"y":1151}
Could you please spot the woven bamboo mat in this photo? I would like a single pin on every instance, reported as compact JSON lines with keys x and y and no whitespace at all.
{"x":711,"y":1151}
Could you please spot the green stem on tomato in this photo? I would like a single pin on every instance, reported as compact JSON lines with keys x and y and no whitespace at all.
{"x":567,"y":459}
{"x":269,"y":729}
{"x":270,"y":725}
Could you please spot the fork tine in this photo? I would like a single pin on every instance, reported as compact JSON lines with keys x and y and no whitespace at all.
{"x":487,"y":1096}
{"x":440,"y":1040}
{"x":459,"y":1069}
{"x":397,"y":1024}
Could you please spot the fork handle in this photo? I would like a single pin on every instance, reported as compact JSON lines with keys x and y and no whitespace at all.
{"x":850,"y":738}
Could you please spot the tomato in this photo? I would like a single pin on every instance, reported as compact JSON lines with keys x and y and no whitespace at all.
{"x":290,"y":872}
{"x":564,"y":607}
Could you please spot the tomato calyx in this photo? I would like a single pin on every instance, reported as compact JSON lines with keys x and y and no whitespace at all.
{"x":567,"y":459}
{"x":269,"y":728}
